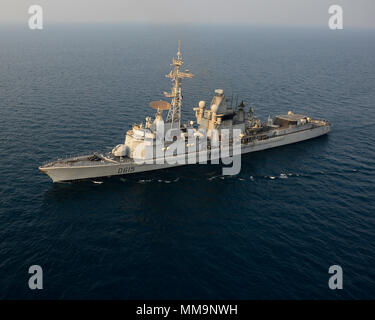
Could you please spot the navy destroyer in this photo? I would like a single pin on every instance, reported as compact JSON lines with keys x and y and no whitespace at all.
{"x":147,"y":147}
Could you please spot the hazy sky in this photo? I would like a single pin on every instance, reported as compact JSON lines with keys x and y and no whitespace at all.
{"x":357,"y":13}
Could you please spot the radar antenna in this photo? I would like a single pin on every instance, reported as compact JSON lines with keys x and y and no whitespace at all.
{"x":174,"y":113}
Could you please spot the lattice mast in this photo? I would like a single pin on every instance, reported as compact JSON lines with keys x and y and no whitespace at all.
{"x":174,"y":113}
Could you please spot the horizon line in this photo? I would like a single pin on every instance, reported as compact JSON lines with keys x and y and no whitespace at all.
{"x":186,"y":24}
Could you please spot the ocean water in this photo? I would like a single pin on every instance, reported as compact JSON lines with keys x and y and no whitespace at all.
{"x":271,"y":232}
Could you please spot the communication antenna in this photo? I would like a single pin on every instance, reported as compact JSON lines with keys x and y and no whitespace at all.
{"x":174,"y":113}
{"x":179,"y":49}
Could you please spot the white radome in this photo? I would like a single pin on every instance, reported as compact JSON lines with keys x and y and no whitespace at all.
{"x":202,"y":104}
{"x":214,"y":108}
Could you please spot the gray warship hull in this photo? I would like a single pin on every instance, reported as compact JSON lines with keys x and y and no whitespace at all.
{"x":79,"y":168}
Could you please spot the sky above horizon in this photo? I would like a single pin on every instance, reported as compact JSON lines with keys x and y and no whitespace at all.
{"x":357,"y":13}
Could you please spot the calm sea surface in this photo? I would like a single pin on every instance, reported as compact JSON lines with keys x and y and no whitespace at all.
{"x":186,"y":232}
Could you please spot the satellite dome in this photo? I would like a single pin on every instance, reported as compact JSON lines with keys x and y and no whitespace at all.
{"x":202,"y":104}
{"x":214,"y":108}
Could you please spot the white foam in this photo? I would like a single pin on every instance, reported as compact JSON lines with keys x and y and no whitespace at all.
{"x":144,"y":181}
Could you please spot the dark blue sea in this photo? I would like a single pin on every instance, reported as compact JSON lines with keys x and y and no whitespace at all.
{"x":188,"y":232}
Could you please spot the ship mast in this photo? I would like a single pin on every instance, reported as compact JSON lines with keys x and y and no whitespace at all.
{"x":174,"y":113}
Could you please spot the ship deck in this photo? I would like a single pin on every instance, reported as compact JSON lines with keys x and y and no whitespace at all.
{"x":88,"y":160}
{"x":105,"y":159}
